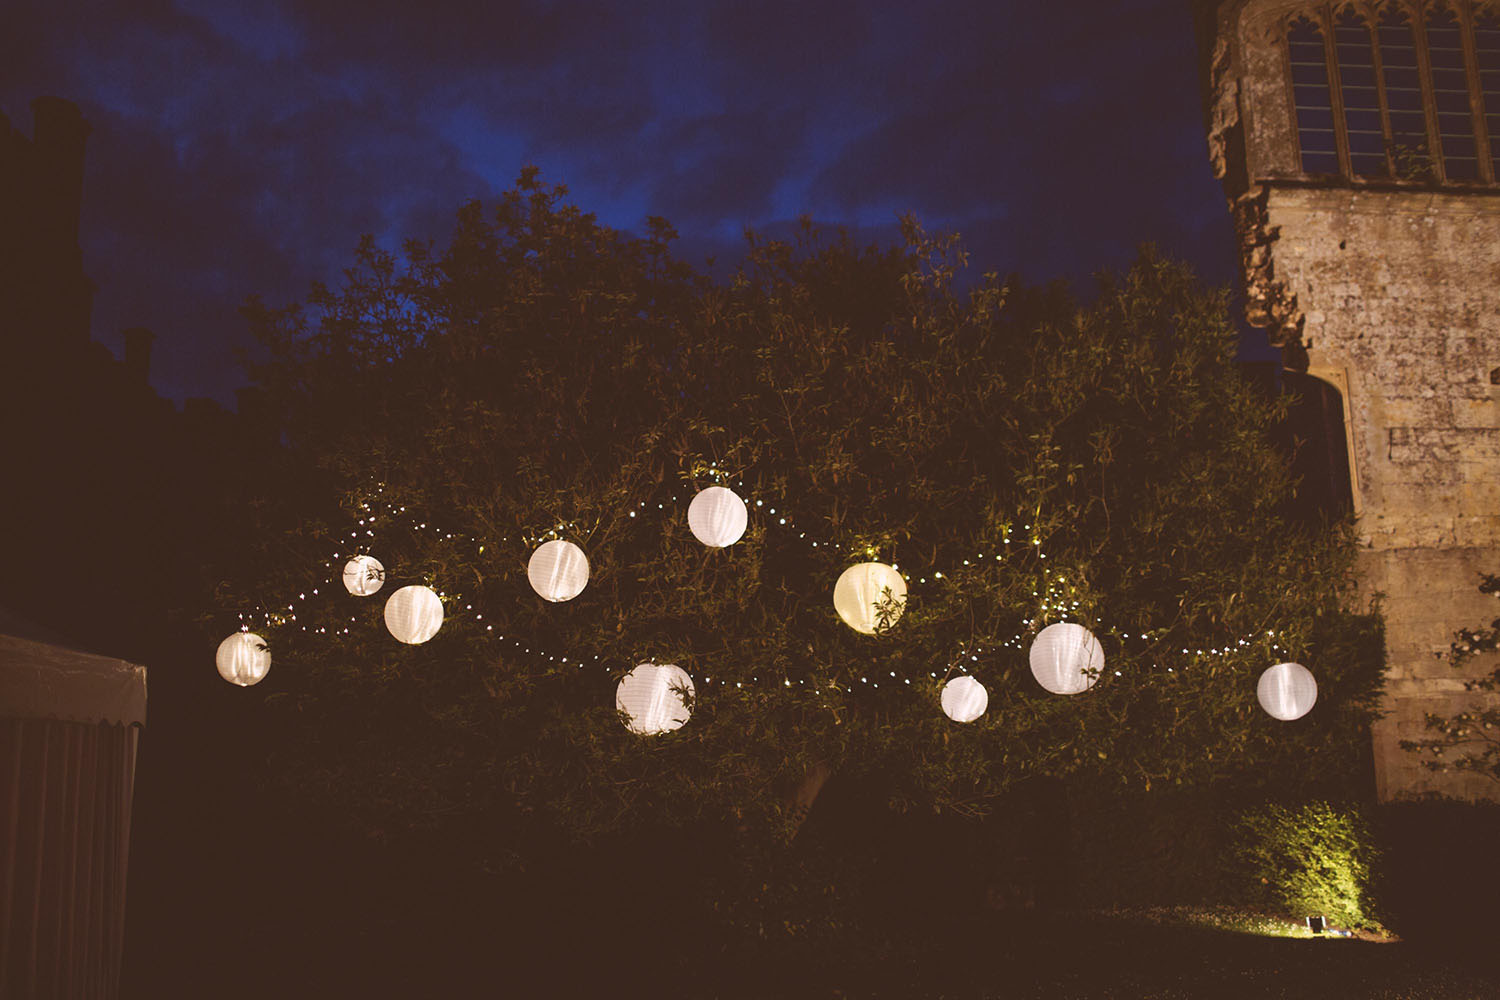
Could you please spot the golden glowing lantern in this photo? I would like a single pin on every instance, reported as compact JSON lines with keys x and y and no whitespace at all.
{"x":862,"y":589}
{"x":414,"y":614}
{"x":1066,"y":658}
{"x":654,"y":698}
{"x":964,"y":699}
{"x":363,"y":576}
{"x":717,"y":517}
{"x":243,"y":659}
{"x":558,"y":571}
{"x":1287,"y":691}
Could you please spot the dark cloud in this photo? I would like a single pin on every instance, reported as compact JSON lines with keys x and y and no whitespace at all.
{"x":243,"y":148}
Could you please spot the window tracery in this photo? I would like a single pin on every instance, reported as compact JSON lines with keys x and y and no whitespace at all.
{"x":1404,"y":89}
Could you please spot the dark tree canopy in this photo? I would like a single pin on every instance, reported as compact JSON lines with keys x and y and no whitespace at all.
{"x":1024,"y":456}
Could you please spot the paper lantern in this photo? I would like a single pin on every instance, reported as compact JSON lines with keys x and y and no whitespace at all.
{"x":964,"y":699}
{"x":651,"y":697}
{"x":243,"y":659}
{"x":558,"y":571}
{"x":1066,"y":658}
{"x":414,"y":614}
{"x":1287,"y":691}
{"x":717,"y":517}
{"x":363,"y":576}
{"x":861,"y":590}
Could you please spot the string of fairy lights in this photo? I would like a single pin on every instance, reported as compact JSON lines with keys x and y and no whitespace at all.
{"x":1066,"y":658}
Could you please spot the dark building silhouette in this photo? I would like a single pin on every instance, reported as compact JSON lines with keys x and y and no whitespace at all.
{"x":47,"y":301}
{"x":114,"y":511}
{"x":108,"y":488}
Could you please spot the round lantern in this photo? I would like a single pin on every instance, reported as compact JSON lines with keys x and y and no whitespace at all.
{"x":861,"y":590}
{"x":414,"y":614}
{"x":651,"y":696}
{"x":1066,"y":658}
{"x":243,"y":659}
{"x":558,"y":571}
{"x":1287,"y":691}
{"x":717,"y":517}
{"x":964,"y":699}
{"x":363,"y":576}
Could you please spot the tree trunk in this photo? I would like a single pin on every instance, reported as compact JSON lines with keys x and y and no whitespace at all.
{"x":806,"y":794}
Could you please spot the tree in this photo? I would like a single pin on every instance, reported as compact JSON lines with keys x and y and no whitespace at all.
{"x":1023,"y":458}
{"x":1468,"y":741}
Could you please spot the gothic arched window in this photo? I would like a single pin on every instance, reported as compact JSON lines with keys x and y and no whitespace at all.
{"x":1397,"y":90}
{"x":1487,"y":56}
{"x":1310,"y":95}
{"x":1450,"y":95}
{"x":1360,"y":90}
{"x":1314,"y":434}
{"x":1401,"y":80}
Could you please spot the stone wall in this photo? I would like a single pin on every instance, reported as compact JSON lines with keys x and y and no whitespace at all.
{"x":1400,"y":300}
{"x":1391,"y":292}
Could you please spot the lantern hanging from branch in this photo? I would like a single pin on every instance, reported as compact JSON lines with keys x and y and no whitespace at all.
{"x":1287,"y":691}
{"x":964,"y":699}
{"x":363,"y":576}
{"x":558,"y":571}
{"x":656,"y":698}
{"x":1066,"y":658}
{"x":869,"y":596}
{"x":717,"y":517}
{"x":243,"y":659}
{"x":414,"y":614}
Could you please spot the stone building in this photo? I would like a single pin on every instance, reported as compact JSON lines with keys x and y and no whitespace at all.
{"x":1359,"y":147}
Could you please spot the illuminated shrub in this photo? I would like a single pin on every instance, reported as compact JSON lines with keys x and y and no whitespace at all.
{"x":1311,"y":860}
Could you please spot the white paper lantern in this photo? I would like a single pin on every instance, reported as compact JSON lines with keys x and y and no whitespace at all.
{"x":1066,"y":658}
{"x":1287,"y":691}
{"x":558,"y":571}
{"x":363,"y":576}
{"x":717,"y":517}
{"x":964,"y":699}
{"x":861,"y":590}
{"x":414,"y":614}
{"x":651,"y":696}
{"x":243,"y":659}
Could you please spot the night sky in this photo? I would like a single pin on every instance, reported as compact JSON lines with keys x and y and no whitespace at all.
{"x":244,"y":147}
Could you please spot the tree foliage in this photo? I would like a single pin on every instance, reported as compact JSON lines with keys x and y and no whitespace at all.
{"x":1023,"y":456}
{"x":1310,"y":860}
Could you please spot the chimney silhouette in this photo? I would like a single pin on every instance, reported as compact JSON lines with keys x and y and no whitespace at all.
{"x":138,"y":355}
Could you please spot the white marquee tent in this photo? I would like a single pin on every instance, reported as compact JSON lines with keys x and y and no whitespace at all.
{"x":69,"y":726}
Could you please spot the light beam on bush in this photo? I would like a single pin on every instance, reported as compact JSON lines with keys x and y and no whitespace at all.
{"x":414,"y":614}
{"x":717,"y":517}
{"x":363,"y":576}
{"x":1287,"y":691}
{"x":1066,"y":658}
{"x":964,"y":699}
{"x":860,"y":592}
{"x":558,"y":571}
{"x":651,"y":696}
{"x":243,"y":659}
